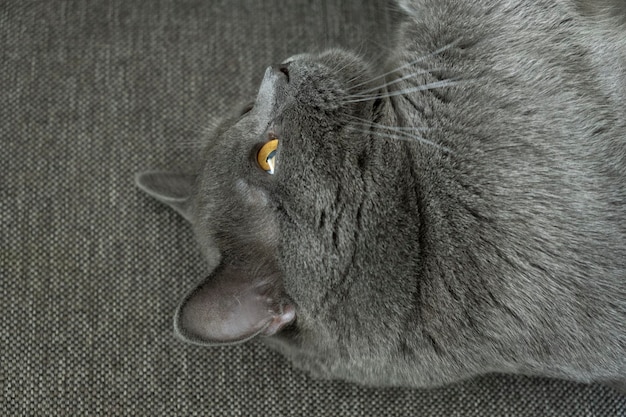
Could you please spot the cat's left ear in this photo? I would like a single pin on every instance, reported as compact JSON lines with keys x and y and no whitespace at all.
{"x":170,"y":188}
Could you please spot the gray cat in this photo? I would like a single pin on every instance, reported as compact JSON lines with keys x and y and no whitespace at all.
{"x":460,"y":211}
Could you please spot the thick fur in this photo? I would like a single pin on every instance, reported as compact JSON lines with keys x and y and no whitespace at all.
{"x":477,"y":224}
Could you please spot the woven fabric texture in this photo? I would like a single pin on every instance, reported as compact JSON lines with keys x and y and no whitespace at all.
{"x":91,"y":269}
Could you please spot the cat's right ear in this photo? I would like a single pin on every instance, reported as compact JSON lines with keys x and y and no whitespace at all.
{"x":169,"y":188}
{"x":233,"y":306}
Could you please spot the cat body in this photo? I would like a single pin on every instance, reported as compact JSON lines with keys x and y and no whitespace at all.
{"x":458,"y":212}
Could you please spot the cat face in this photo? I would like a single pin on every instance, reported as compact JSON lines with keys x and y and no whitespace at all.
{"x":317,"y":253}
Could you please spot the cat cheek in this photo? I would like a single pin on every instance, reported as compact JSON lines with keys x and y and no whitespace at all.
{"x":256,"y":203}
{"x":252,"y":196}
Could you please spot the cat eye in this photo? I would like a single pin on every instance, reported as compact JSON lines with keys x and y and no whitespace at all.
{"x":266,"y":156}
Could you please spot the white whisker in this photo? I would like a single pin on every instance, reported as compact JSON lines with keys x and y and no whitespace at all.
{"x":347,"y":64}
{"x":398,"y":80}
{"x":397,"y":129}
{"x":429,"y":86}
{"x":404,"y":137}
{"x":369,"y":123}
{"x":410,"y":64}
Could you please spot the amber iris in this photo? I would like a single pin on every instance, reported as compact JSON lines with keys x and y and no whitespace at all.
{"x":267,"y":155}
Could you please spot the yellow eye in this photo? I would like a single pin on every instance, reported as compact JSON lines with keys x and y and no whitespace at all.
{"x":266,"y":156}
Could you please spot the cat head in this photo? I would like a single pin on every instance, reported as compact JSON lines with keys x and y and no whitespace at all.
{"x":305,"y":216}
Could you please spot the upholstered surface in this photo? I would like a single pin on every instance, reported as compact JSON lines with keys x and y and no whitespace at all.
{"x":91,"y":269}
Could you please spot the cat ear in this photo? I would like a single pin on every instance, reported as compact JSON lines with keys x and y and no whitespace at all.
{"x":169,"y":188}
{"x":232,"y":307}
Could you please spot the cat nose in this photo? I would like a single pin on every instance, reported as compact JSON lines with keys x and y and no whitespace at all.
{"x":273,"y":85}
{"x":282,"y":70}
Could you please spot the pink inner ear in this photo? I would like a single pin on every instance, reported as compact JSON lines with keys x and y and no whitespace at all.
{"x":232,"y":307}
{"x":281,"y":320}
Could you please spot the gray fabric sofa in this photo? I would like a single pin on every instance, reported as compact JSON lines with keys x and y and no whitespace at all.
{"x":91,"y":269}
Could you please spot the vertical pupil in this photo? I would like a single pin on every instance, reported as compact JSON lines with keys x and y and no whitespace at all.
{"x":270,"y":161}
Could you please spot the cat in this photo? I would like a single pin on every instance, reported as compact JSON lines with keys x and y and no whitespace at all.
{"x":459,"y":211}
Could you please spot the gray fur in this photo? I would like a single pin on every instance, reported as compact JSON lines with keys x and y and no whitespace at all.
{"x":474,"y":223}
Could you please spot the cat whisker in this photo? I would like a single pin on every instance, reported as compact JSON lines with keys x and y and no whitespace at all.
{"x":403,"y":137}
{"x":369,"y":123}
{"x":410,"y":64}
{"x":398,"y":80}
{"x":350,"y":62}
{"x":403,"y":131}
{"x":397,"y":129}
{"x":437,"y":84}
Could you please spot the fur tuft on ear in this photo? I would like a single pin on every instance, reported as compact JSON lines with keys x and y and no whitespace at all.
{"x":232,"y":307}
{"x":169,"y":188}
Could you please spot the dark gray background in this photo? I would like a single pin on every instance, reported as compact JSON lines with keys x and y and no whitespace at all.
{"x":91,"y":270}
